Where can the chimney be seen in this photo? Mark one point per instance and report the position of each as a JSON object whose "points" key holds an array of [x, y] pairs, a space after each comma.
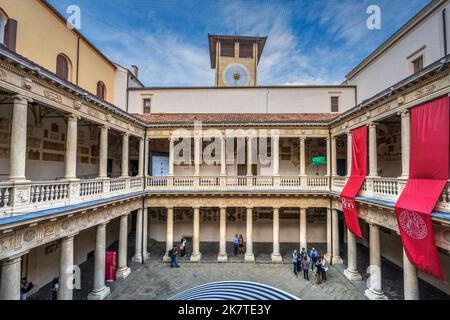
{"points": [[135, 71]]}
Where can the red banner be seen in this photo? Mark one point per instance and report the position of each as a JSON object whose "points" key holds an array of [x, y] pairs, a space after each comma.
{"points": [[357, 177], [428, 174]]}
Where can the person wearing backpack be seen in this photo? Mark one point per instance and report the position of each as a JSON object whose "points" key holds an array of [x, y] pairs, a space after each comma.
{"points": [[173, 257]]}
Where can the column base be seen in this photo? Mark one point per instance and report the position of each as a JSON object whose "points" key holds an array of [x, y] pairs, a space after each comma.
{"points": [[375, 295], [327, 257], [352, 275], [123, 273], [222, 258], [99, 295], [195, 257], [249, 257], [276, 258], [336, 260], [140, 258]]}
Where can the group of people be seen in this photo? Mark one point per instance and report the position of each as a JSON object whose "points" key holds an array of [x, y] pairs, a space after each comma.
{"points": [[302, 261]]}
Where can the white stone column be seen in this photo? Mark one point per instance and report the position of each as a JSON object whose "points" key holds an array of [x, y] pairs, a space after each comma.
{"points": [[410, 279], [373, 161], [141, 157], [125, 152], [71, 147], [333, 156], [66, 269], [349, 153], [303, 243], [336, 259], [100, 290], [249, 256], [328, 142], [223, 257], [276, 156], [10, 279], [249, 156], [302, 156], [328, 255], [223, 159], [169, 233], [171, 157], [18, 153], [197, 155], [138, 257], [406, 140], [375, 291], [351, 272], [103, 161], [196, 255], [145, 234], [146, 156], [123, 270], [276, 256]]}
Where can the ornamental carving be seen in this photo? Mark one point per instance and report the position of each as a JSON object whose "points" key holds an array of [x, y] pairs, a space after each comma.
{"points": [[52, 96], [29, 235], [2, 74], [77, 105], [26, 83], [425, 91], [49, 230], [6, 243]]}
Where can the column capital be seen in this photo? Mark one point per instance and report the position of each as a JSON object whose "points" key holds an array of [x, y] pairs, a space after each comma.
{"points": [[302, 138], [276, 208], [104, 128], [14, 259], [125, 134], [103, 224], [348, 132], [372, 125], [223, 207], [196, 207], [69, 237], [405, 113], [73, 117], [21, 99], [249, 208], [170, 207], [275, 138]]}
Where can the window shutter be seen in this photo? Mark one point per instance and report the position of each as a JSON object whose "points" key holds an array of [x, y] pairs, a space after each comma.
{"points": [[62, 67], [11, 34]]}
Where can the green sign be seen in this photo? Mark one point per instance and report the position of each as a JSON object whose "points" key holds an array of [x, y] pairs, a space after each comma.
{"points": [[319, 160]]}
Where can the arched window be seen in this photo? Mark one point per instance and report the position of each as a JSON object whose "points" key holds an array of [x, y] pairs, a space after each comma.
{"points": [[63, 67], [55, 128], [101, 90]]}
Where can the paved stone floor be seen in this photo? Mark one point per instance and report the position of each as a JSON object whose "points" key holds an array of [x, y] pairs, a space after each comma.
{"points": [[156, 280]]}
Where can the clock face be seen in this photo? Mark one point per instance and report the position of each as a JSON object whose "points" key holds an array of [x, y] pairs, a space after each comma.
{"points": [[236, 75]]}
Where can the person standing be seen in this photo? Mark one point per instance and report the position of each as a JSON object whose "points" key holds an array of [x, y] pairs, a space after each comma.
{"points": [[294, 261], [23, 288], [324, 268], [236, 244], [318, 270], [305, 266], [313, 255], [55, 288], [299, 261], [303, 253], [182, 247], [173, 257], [241, 244]]}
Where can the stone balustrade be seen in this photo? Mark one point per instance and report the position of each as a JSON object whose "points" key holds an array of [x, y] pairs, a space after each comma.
{"points": [[33, 196], [19, 198]]}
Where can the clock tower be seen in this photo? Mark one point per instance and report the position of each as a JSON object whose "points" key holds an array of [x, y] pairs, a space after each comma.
{"points": [[235, 59]]}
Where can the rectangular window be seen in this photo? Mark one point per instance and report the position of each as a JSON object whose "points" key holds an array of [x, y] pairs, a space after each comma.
{"points": [[147, 104], [245, 50], [227, 49], [334, 104], [417, 64]]}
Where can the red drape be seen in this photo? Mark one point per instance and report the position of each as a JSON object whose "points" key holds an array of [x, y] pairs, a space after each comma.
{"points": [[428, 174], [357, 177]]}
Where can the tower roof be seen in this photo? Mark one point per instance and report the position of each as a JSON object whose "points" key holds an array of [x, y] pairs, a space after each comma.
{"points": [[212, 39]]}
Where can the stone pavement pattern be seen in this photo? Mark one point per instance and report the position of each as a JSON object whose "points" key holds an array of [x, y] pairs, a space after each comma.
{"points": [[156, 280]]}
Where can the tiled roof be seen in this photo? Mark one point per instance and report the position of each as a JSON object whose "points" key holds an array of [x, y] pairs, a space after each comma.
{"points": [[238, 118]]}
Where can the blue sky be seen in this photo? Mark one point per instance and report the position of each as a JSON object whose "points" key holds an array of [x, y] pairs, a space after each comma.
{"points": [[310, 41]]}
